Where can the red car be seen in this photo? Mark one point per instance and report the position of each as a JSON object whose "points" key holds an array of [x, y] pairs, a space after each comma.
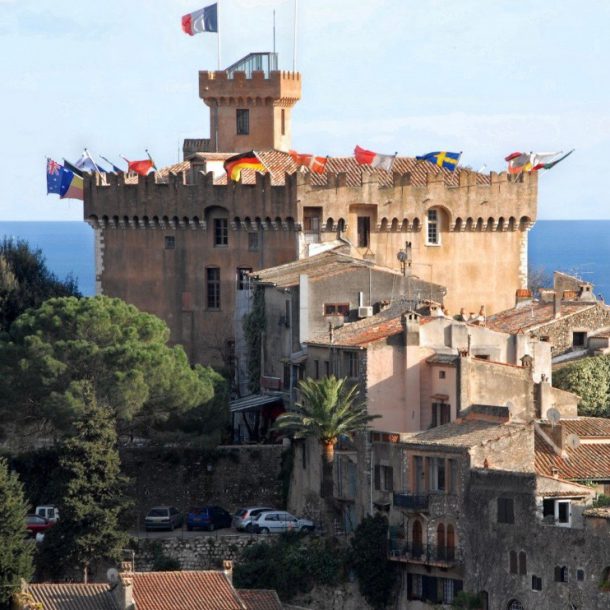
{"points": [[35, 524]]}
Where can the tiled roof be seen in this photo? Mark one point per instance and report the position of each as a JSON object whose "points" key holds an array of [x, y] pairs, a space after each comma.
{"points": [[260, 599], [530, 315], [603, 512], [348, 336], [280, 163], [462, 434], [73, 596], [203, 590], [587, 461], [315, 267], [587, 426]]}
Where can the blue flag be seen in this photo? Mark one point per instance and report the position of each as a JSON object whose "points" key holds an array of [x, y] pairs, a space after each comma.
{"points": [[447, 160], [54, 174]]}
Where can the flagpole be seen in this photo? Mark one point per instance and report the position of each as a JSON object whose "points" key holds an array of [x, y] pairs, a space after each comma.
{"points": [[274, 31], [294, 38], [218, 28]]}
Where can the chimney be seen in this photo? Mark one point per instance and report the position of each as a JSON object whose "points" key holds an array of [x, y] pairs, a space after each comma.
{"points": [[557, 305], [523, 295], [123, 592], [227, 566]]}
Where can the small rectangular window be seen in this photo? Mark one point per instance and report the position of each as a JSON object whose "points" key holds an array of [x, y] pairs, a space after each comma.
{"points": [[432, 230], [221, 232], [506, 512], [327, 368], [384, 478], [350, 364], [364, 231], [441, 414], [316, 368], [331, 309], [243, 279], [536, 583], [243, 121], [213, 287], [253, 241], [170, 242], [442, 374], [580, 574]]}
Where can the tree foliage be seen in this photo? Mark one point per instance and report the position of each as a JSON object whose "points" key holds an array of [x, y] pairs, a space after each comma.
{"points": [[52, 353], [92, 494], [291, 564], [328, 410], [590, 379], [377, 577], [15, 550], [26, 282]]}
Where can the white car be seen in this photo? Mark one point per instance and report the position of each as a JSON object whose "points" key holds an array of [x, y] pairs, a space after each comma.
{"points": [[277, 522]]}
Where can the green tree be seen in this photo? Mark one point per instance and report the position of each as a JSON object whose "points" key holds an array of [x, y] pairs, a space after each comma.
{"points": [[92, 494], [120, 352], [15, 550], [25, 281], [327, 411], [377, 576], [590, 379]]}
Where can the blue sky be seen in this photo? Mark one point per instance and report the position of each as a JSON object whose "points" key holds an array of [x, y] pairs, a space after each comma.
{"points": [[487, 78]]}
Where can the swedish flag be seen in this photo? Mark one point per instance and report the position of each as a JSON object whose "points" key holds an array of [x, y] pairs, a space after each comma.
{"points": [[447, 160]]}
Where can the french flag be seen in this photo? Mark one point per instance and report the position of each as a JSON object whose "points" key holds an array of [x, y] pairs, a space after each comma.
{"points": [[203, 20]]}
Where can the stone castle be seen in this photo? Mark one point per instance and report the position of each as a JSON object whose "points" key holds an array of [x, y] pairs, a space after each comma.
{"points": [[180, 243]]}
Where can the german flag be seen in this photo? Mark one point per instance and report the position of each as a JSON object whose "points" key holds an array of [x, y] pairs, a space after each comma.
{"points": [[248, 160]]}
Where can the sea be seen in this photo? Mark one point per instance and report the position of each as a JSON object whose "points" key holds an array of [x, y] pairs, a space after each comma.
{"points": [[577, 247]]}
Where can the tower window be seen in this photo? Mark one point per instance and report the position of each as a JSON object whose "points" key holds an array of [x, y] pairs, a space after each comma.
{"points": [[221, 232], [243, 122], [170, 242], [364, 231], [432, 236], [213, 287], [441, 414], [252, 241], [506, 511], [283, 118]]}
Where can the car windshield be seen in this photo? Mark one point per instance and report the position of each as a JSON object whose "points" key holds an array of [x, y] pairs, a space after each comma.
{"points": [[158, 512]]}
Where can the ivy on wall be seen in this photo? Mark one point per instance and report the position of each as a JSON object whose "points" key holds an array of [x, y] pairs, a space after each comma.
{"points": [[254, 327]]}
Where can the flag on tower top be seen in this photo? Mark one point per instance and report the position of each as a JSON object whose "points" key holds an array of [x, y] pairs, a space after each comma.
{"points": [[315, 164], [444, 159], [203, 20], [368, 157], [235, 164]]}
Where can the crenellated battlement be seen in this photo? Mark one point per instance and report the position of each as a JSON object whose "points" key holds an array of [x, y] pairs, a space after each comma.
{"points": [[221, 88], [499, 204]]}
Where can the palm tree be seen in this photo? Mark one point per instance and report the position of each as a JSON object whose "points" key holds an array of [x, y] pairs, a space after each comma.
{"points": [[328, 410]]}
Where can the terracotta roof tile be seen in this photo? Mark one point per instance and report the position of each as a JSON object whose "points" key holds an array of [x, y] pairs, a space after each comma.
{"points": [[73, 596], [279, 163], [260, 599], [467, 433], [587, 427], [203, 590], [531, 315], [587, 461]]}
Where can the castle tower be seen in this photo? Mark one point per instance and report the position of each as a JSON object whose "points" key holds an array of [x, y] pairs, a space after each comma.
{"points": [[250, 104]]}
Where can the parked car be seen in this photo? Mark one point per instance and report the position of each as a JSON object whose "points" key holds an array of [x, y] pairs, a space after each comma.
{"points": [[163, 518], [48, 511], [272, 522], [243, 517], [208, 517], [37, 525]]}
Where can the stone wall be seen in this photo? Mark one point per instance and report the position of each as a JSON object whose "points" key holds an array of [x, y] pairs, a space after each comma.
{"points": [[182, 477]]}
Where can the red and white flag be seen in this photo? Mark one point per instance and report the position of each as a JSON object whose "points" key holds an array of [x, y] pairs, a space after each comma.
{"points": [[314, 164], [368, 157]]}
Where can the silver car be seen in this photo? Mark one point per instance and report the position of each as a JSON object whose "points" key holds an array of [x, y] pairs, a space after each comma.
{"points": [[277, 522], [243, 518], [162, 518]]}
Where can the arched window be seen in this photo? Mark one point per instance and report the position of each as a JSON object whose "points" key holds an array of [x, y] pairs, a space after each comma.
{"points": [[513, 562], [417, 539], [514, 604], [450, 542], [440, 541], [522, 563]]}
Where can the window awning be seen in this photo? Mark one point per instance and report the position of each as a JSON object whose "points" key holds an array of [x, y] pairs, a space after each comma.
{"points": [[253, 402]]}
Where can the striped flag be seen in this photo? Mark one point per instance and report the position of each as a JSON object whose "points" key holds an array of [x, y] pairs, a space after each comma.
{"points": [[368, 157], [248, 160]]}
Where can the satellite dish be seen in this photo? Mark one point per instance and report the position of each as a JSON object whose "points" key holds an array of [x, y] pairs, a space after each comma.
{"points": [[401, 256], [572, 441], [112, 574], [553, 415]]}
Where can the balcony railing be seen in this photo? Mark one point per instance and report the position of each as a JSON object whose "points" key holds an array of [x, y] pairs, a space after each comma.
{"points": [[411, 501], [423, 553]]}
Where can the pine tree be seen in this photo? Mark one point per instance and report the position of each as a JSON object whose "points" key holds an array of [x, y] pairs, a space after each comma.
{"points": [[92, 495], [15, 550]]}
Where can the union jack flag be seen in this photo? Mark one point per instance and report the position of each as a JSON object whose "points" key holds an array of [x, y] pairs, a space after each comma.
{"points": [[53, 167]]}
